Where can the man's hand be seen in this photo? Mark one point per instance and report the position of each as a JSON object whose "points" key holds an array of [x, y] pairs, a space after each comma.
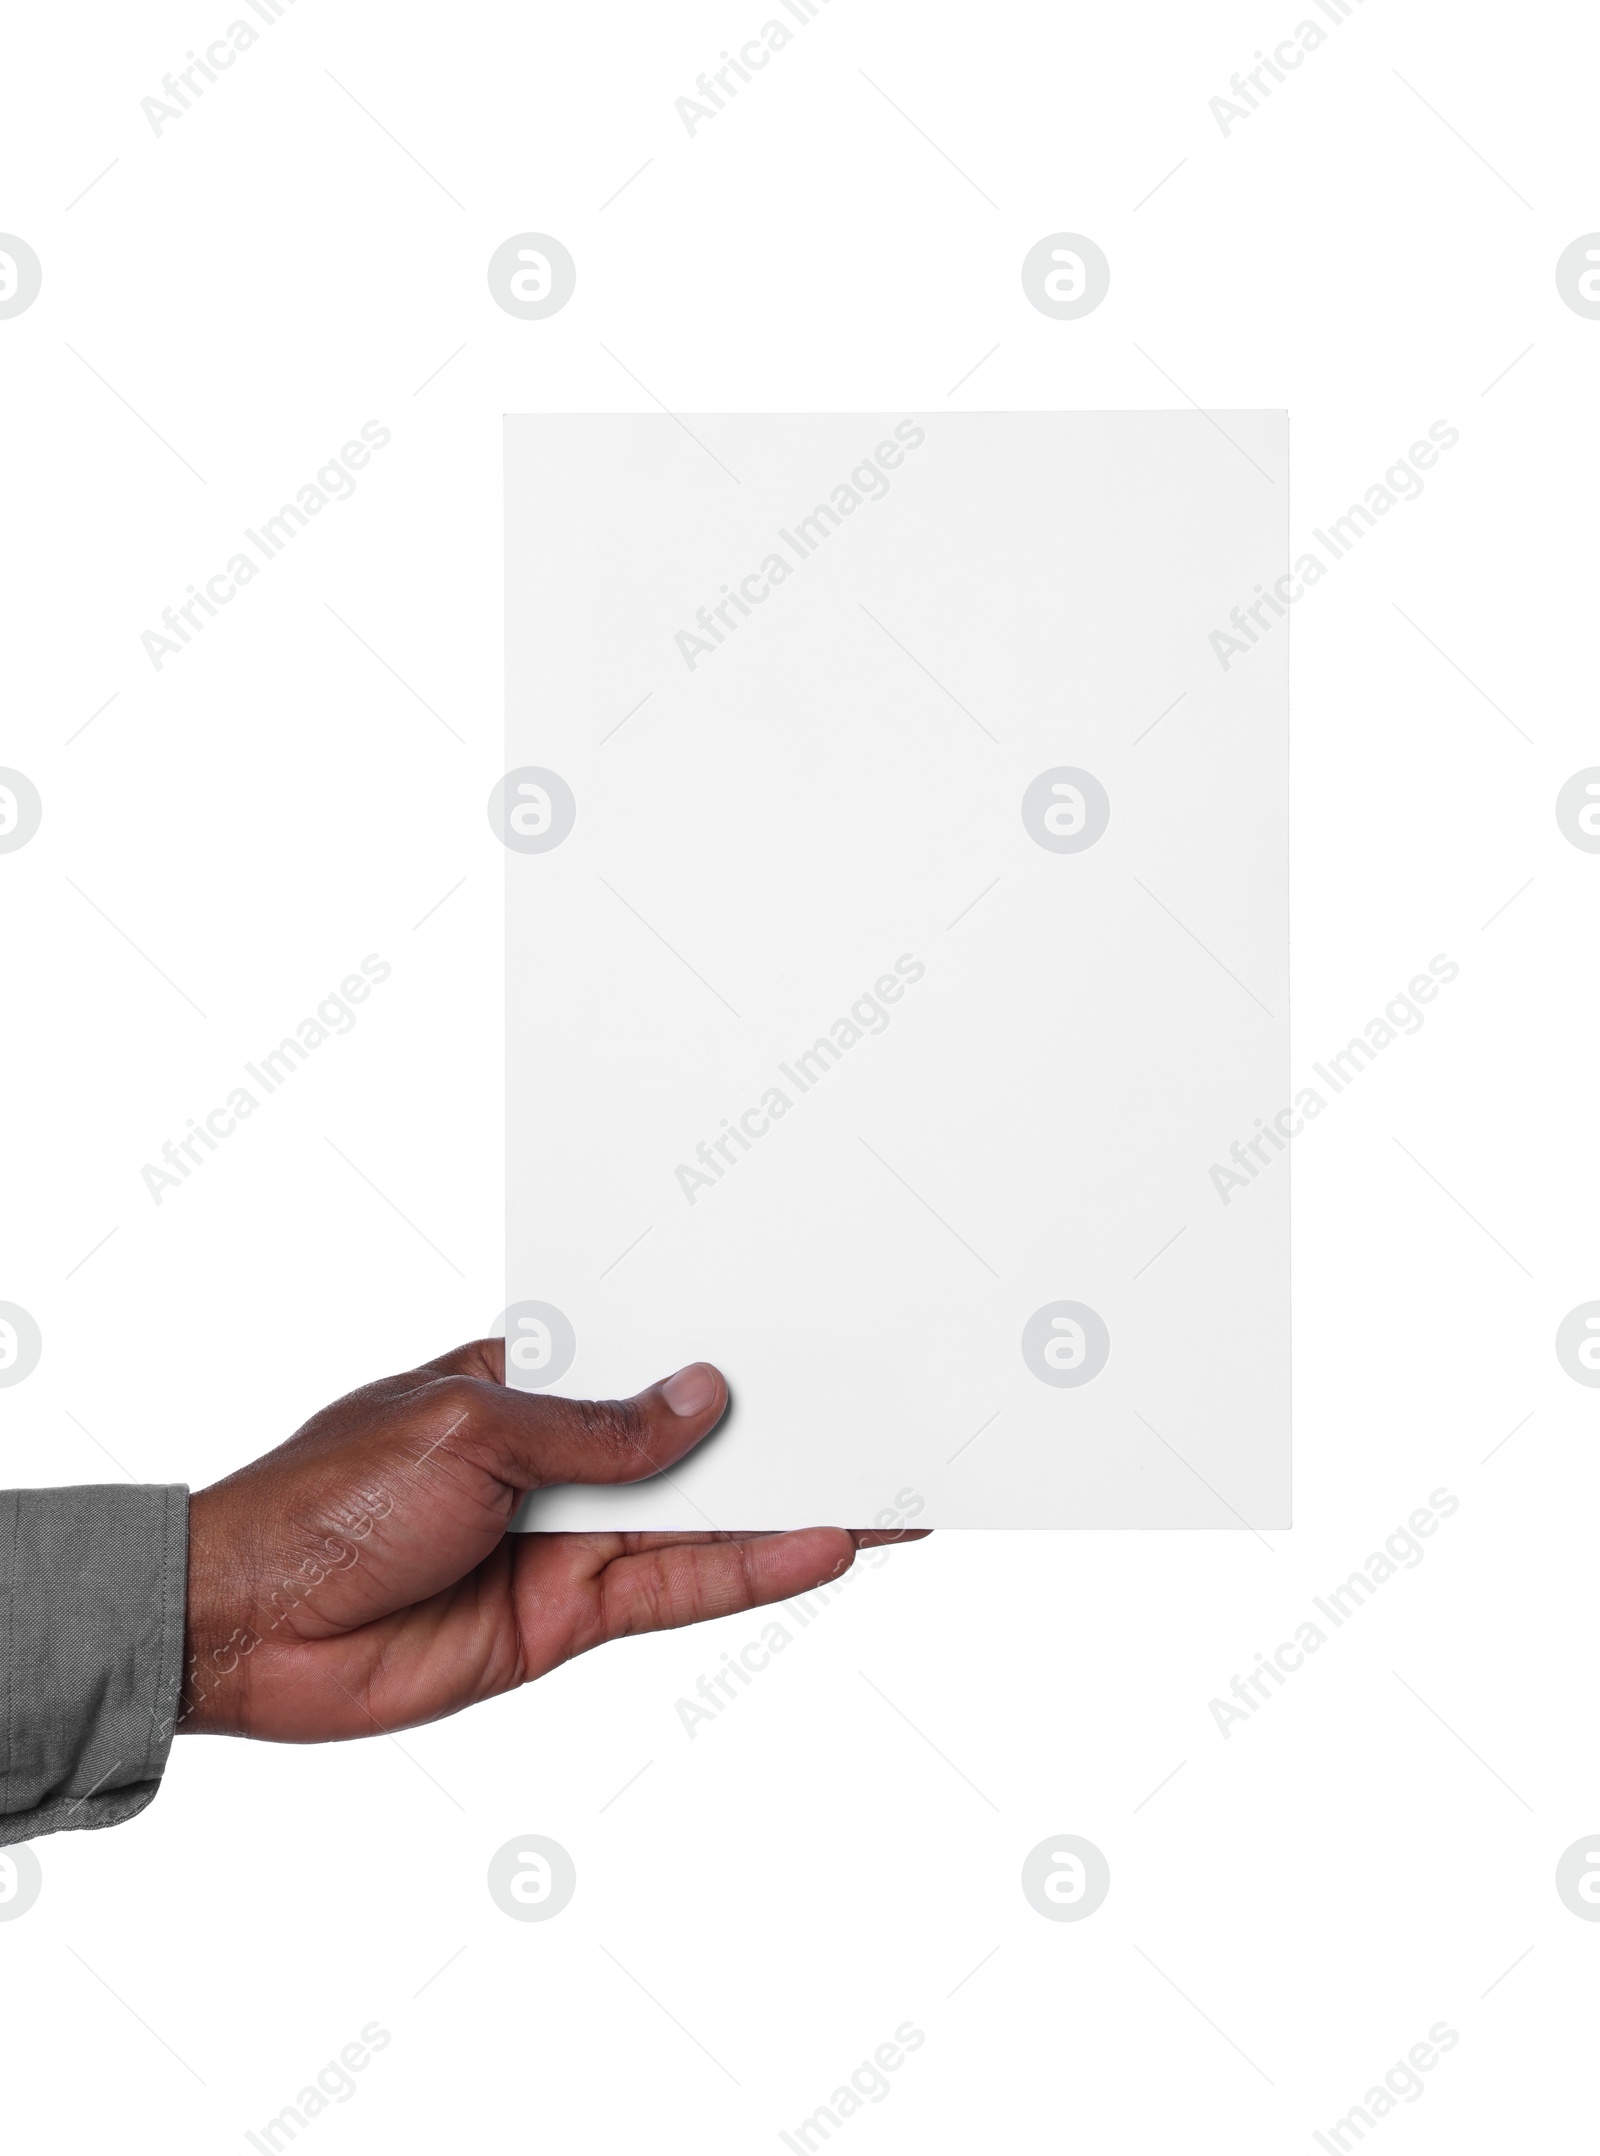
{"points": [[360, 1578]]}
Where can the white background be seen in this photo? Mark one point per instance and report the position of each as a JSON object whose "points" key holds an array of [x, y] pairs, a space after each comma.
{"points": [[1369, 1854]]}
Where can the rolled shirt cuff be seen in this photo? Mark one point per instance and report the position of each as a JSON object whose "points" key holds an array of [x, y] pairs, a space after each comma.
{"points": [[92, 1585]]}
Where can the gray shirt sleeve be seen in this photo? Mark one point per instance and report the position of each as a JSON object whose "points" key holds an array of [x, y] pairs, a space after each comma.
{"points": [[92, 1584]]}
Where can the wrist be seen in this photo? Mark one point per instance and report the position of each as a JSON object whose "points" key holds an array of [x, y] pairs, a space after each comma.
{"points": [[218, 1640]]}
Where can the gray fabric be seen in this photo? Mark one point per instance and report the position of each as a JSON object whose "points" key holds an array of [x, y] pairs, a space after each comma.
{"points": [[92, 1585]]}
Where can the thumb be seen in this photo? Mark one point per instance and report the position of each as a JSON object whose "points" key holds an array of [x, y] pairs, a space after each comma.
{"points": [[528, 1440]]}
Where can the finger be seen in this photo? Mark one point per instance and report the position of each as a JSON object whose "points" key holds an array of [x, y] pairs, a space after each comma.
{"points": [[532, 1439], [474, 1358], [605, 1545], [689, 1582]]}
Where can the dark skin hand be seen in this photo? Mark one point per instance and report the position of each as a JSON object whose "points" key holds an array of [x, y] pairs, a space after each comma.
{"points": [[360, 1578]]}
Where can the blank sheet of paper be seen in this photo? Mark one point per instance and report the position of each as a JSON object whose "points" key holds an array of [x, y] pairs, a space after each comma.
{"points": [[897, 958]]}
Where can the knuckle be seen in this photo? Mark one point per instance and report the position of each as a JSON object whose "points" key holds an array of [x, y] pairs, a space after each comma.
{"points": [[619, 1426], [472, 1359], [454, 1395], [747, 1592], [451, 1406]]}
